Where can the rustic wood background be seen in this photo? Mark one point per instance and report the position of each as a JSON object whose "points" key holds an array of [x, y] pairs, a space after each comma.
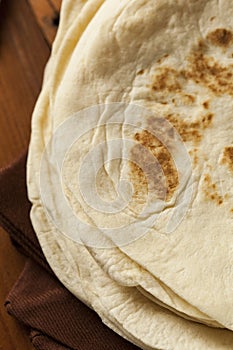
{"points": [[27, 28]]}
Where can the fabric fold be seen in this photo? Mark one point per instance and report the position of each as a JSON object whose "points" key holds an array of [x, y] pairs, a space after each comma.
{"points": [[56, 319]]}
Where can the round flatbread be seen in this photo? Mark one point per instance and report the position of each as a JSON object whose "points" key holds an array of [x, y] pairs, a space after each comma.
{"points": [[142, 54]]}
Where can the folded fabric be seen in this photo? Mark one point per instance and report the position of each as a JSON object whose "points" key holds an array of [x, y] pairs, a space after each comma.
{"points": [[56, 319], [15, 211]]}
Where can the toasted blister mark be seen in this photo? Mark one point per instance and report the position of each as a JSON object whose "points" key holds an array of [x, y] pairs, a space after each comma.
{"points": [[194, 156], [190, 130], [210, 190], [161, 59], [160, 127], [167, 79], [205, 104], [206, 120], [138, 179], [159, 175], [183, 99], [206, 71], [140, 72], [227, 158], [221, 37], [170, 85]]}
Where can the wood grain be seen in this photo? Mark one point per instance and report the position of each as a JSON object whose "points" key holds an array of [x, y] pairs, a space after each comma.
{"points": [[23, 54], [56, 4], [46, 13]]}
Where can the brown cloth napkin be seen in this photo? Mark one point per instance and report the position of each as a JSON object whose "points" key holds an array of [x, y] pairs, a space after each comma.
{"points": [[55, 318]]}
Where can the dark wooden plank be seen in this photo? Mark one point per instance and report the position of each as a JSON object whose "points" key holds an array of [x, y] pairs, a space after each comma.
{"points": [[56, 4], [46, 13], [23, 54]]}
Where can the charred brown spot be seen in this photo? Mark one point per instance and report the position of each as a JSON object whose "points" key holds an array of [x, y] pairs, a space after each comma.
{"points": [[207, 120], [190, 98], [190, 130], [201, 44], [206, 71], [140, 72], [206, 104], [220, 37], [162, 58], [138, 179], [212, 18], [166, 79], [228, 157], [210, 190], [194, 155], [161, 175], [183, 99], [168, 84]]}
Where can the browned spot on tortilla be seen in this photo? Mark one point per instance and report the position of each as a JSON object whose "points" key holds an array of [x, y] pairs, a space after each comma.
{"points": [[183, 99], [206, 71], [228, 157], [162, 127], [206, 104], [162, 58], [210, 190], [212, 18], [168, 84], [166, 79], [190, 98], [161, 175], [194, 155], [190, 130], [207, 120], [201, 44], [140, 72], [220, 37], [138, 177]]}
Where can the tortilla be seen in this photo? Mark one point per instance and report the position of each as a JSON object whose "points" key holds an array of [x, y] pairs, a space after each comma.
{"points": [[124, 309], [44, 111], [149, 60]]}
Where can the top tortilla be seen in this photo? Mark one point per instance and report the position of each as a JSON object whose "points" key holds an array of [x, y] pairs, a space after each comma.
{"points": [[175, 58]]}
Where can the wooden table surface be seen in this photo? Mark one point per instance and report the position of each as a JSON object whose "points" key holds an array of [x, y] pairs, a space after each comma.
{"points": [[24, 50]]}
